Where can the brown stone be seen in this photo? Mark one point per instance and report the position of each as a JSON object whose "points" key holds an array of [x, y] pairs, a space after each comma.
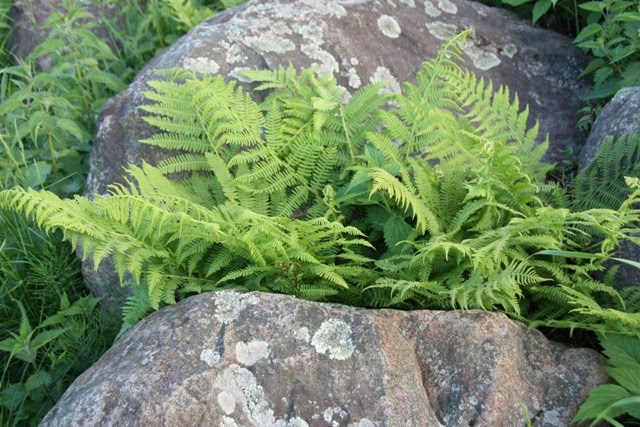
{"points": [[227, 359]]}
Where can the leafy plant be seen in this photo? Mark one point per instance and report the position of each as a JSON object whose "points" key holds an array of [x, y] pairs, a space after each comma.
{"points": [[435, 201], [610, 401], [602, 183], [51, 330], [612, 36]]}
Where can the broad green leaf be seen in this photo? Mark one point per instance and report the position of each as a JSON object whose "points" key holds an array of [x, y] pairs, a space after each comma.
{"points": [[516, 3], [37, 380], [593, 6], [539, 9], [588, 32]]}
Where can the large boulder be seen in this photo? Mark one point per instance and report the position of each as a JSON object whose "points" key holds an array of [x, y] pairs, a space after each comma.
{"points": [[621, 116], [228, 359], [358, 41]]}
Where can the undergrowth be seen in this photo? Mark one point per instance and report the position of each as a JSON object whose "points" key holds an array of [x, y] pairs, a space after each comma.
{"points": [[407, 206], [52, 329]]}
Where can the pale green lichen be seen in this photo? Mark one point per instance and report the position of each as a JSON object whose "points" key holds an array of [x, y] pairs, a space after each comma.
{"points": [[410, 3], [383, 75], [442, 30], [447, 6], [389, 26], [334, 338], [509, 50], [201, 65], [228, 422], [481, 58], [327, 63], [227, 402], [229, 305], [302, 334], [354, 79], [241, 384], [297, 422], [364, 422], [250, 353], [210, 357], [431, 10]]}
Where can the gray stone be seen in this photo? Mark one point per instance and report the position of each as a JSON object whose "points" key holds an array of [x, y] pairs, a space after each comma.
{"points": [[621, 116], [359, 41], [230, 359]]}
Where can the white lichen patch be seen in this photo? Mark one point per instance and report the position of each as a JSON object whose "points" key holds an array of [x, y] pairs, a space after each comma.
{"points": [[447, 6], [364, 422], [229, 305], [227, 402], [383, 75], [482, 59], [327, 63], [201, 65], [431, 10], [354, 79], [233, 52], [236, 73], [270, 42], [334, 337], [410, 3], [389, 26], [250, 353], [302, 334], [297, 422], [210, 357], [311, 33], [509, 50], [354, 61], [241, 384], [442, 30], [228, 422]]}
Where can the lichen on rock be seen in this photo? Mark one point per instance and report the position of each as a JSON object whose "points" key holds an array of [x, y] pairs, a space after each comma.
{"points": [[229, 305], [389, 26], [334, 337]]}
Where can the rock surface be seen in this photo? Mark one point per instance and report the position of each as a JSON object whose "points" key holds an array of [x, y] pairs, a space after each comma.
{"points": [[621, 116], [359, 41], [227, 359]]}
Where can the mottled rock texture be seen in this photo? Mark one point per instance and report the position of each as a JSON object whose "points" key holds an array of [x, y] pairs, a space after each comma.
{"points": [[621, 116], [227, 359], [359, 41]]}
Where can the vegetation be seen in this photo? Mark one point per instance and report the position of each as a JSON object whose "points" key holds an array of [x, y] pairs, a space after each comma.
{"points": [[410, 206], [52, 329], [429, 199], [608, 30]]}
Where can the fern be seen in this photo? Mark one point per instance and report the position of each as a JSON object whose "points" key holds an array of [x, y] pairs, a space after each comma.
{"points": [[434, 200], [602, 184]]}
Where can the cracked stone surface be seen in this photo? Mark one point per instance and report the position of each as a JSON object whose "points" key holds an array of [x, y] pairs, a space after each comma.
{"points": [[358, 41], [187, 366]]}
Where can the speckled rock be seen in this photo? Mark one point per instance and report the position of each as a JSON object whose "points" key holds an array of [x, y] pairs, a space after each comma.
{"points": [[621, 116], [227, 359], [28, 18], [358, 41]]}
